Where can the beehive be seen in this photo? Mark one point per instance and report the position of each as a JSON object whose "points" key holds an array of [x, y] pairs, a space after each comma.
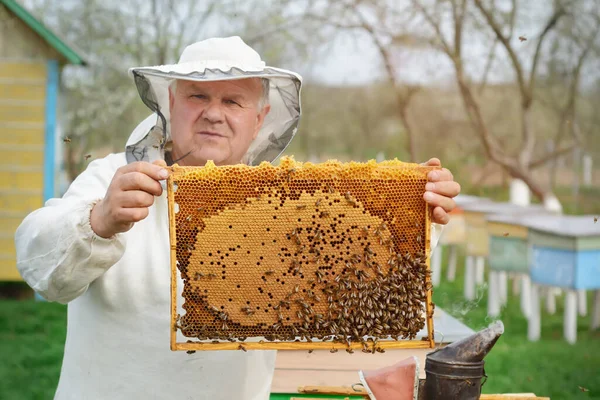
{"points": [[300, 255]]}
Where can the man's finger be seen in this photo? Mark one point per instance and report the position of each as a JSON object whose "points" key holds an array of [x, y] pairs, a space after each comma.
{"points": [[439, 216], [140, 181], [436, 200], [444, 188], [440, 175], [432, 162], [156, 172], [136, 199]]}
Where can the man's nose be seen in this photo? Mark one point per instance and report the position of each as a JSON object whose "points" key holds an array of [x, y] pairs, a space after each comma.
{"points": [[213, 112]]}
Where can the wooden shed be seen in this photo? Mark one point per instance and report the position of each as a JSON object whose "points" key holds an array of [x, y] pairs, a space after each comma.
{"points": [[31, 60]]}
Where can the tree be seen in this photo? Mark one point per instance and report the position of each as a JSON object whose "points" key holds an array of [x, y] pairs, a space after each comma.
{"points": [[469, 16]]}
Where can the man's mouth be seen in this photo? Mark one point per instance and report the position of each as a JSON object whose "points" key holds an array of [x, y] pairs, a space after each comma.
{"points": [[211, 133]]}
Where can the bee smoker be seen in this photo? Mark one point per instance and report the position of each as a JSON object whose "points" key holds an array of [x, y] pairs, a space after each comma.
{"points": [[456, 371]]}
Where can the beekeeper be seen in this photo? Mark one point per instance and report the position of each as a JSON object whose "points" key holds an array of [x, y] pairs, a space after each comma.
{"points": [[103, 247]]}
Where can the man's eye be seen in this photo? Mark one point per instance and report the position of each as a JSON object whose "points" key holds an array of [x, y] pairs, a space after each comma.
{"points": [[232, 102], [199, 96]]}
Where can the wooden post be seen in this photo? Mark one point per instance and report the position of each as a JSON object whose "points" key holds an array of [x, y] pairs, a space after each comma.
{"points": [[503, 287], [452, 263], [493, 298], [570, 322], [480, 270], [595, 323], [534, 324], [526, 295], [582, 302], [469, 278]]}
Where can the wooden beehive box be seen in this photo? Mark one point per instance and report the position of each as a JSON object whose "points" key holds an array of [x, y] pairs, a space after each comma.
{"points": [[454, 232], [565, 251], [477, 231], [300, 255], [509, 247]]}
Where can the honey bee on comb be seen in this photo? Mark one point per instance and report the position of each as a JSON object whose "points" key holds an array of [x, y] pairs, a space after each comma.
{"points": [[306, 260]]}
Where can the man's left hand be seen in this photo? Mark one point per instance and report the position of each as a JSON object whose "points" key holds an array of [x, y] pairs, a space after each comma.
{"points": [[440, 191]]}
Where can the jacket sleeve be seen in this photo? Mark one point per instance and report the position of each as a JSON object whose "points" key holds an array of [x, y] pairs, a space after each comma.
{"points": [[58, 253]]}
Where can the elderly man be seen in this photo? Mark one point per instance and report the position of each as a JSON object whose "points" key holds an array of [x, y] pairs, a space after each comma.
{"points": [[103, 247]]}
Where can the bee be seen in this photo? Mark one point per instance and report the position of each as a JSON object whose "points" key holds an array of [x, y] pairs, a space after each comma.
{"points": [[269, 272], [296, 288], [211, 276], [276, 326], [214, 309], [189, 218], [317, 256], [319, 275], [200, 209], [67, 139], [318, 202], [330, 188], [595, 219], [505, 234], [350, 350], [87, 157], [365, 231], [310, 351], [300, 206], [318, 236], [522, 38], [289, 173], [190, 351], [155, 146], [242, 347], [198, 275], [333, 350], [324, 214]]}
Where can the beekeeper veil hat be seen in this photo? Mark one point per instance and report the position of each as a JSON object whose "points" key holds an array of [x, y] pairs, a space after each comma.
{"points": [[216, 59]]}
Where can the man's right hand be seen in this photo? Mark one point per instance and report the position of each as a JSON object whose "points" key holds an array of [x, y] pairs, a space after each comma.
{"points": [[128, 197]]}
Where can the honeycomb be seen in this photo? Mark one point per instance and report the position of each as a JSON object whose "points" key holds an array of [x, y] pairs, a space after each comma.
{"points": [[300, 253]]}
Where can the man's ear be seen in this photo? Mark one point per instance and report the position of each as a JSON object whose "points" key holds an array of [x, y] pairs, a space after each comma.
{"points": [[171, 99], [260, 119]]}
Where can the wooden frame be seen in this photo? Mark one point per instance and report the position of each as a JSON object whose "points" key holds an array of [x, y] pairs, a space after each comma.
{"points": [[425, 342]]}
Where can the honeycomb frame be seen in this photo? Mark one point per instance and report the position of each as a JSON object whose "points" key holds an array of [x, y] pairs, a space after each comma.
{"points": [[316, 193]]}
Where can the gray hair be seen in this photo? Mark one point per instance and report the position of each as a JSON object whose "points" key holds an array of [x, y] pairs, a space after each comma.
{"points": [[262, 102]]}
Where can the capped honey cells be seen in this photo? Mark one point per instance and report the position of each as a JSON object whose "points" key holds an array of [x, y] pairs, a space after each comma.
{"points": [[300, 252]]}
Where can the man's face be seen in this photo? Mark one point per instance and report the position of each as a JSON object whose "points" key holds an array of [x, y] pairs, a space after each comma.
{"points": [[215, 120]]}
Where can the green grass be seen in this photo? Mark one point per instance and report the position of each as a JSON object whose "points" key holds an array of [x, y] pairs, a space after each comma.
{"points": [[32, 336]]}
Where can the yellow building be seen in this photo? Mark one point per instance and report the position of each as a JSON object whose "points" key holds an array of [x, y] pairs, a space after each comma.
{"points": [[31, 59]]}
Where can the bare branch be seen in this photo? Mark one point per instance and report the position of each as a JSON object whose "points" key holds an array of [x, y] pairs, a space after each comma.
{"points": [[505, 42], [549, 157], [436, 26]]}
